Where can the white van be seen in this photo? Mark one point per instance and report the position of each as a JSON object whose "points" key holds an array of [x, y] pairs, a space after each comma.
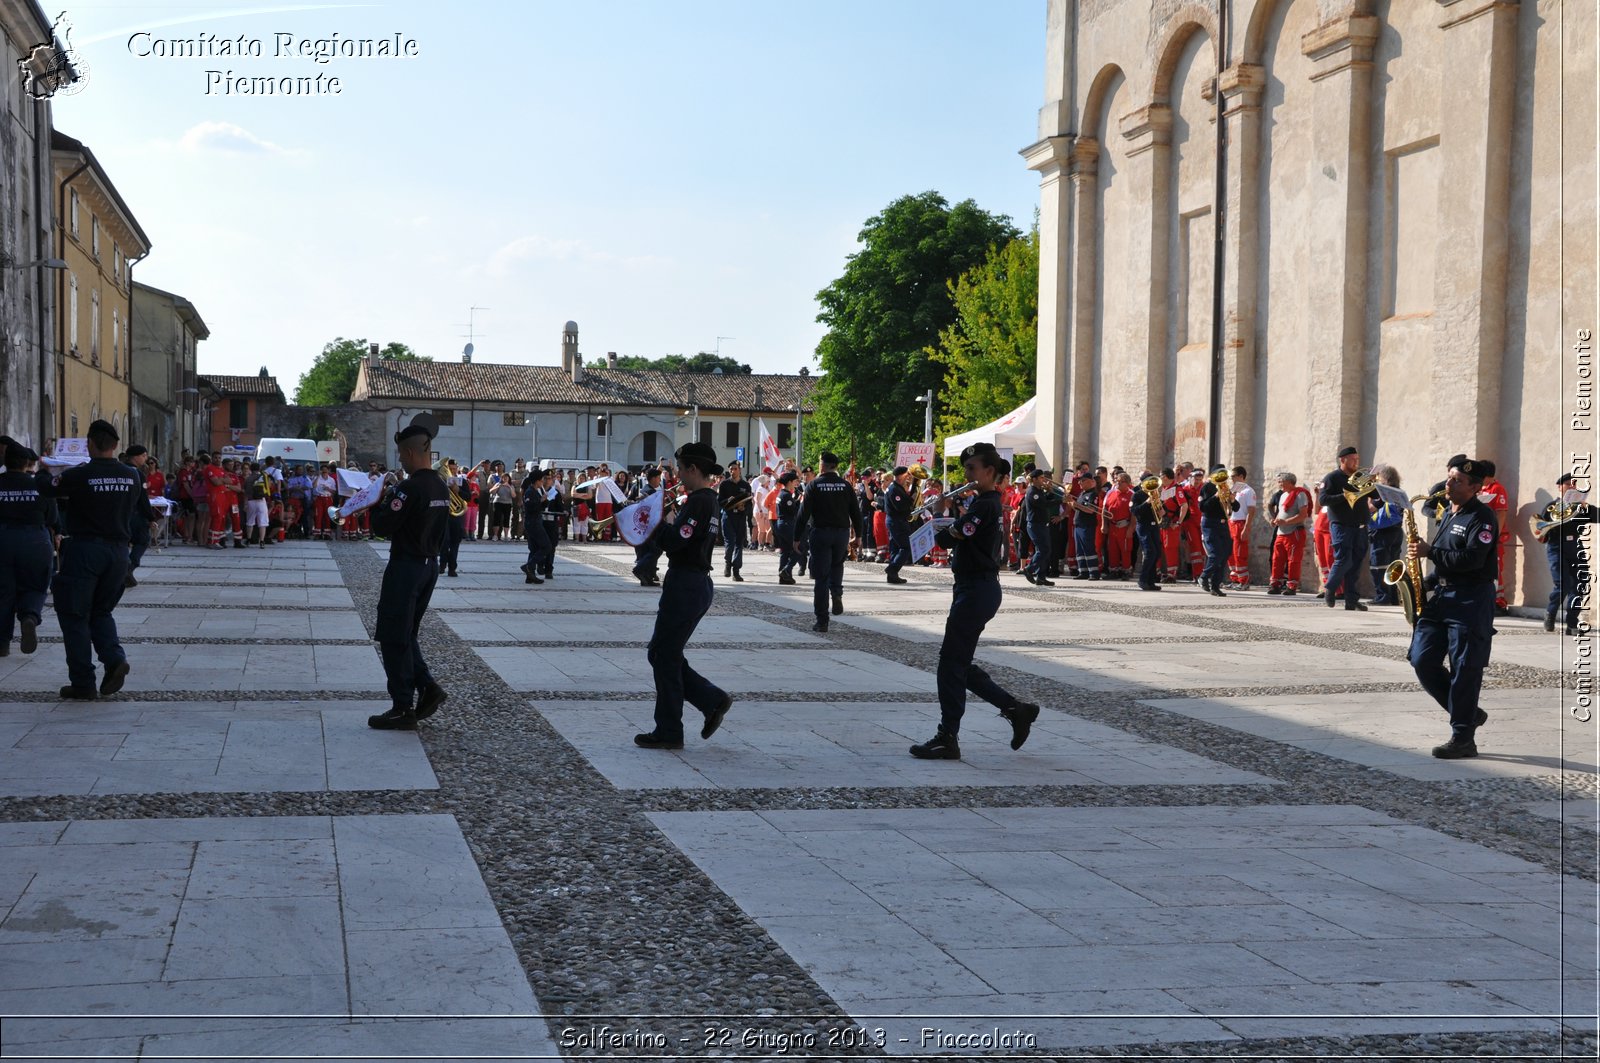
{"points": [[290, 451]]}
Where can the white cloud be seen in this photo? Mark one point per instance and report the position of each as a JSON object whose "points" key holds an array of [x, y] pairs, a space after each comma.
{"points": [[543, 249], [225, 136]]}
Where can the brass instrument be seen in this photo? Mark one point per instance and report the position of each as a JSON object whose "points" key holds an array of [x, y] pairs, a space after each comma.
{"points": [[1404, 573], [1225, 489], [1554, 516], [934, 503], [1151, 487], [918, 473], [1359, 486], [458, 505]]}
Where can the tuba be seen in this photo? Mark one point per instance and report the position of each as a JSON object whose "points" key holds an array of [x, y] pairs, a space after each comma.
{"points": [[1224, 490], [918, 473], [1404, 574], [1359, 486], [458, 506]]}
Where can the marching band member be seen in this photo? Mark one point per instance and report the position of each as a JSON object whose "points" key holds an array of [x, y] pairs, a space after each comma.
{"points": [[1085, 517], [788, 508], [1347, 525], [1458, 620], [733, 496], [539, 548], [412, 517], [1149, 514], [1563, 547], [831, 510], [1214, 532], [898, 503], [26, 555], [1042, 509], [686, 595], [976, 540]]}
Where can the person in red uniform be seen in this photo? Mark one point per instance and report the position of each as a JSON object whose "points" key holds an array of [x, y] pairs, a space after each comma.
{"points": [[1290, 512], [1494, 495], [1174, 503], [218, 500], [1192, 540], [1117, 517], [231, 476]]}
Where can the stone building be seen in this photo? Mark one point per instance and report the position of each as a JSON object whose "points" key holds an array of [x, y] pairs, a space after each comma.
{"points": [[27, 215], [100, 240], [629, 418], [1407, 237], [166, 333]]}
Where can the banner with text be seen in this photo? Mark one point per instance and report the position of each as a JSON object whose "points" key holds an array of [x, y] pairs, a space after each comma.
{"points": [[909, 454]]}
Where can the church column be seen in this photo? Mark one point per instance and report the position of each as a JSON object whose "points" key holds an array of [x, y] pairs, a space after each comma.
{"points": [[1084, 174], [1137, 396], [1241, 85], [1341, 105], [1054, 381], [1470, 279]]}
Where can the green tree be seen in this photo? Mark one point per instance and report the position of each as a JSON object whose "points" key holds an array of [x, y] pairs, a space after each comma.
{"points": [[988, 352], [332, 377], [703, 362], [886, 311]]}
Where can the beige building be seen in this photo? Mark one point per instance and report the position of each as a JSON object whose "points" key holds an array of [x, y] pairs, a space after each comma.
{"points": [[167, 330], [100, 240], [1407, 249]]}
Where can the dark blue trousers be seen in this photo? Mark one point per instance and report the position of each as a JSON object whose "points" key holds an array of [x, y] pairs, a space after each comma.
{"points": [[26, 559], [685, 598], [407, 588], [1566, 564], [1383, 546], [1456, 625], [899, 546], [646, 558], [734, 537], [138, 540], [1349, 550], [788, 556], [1219, 547], [1039, 535], [828, 549], [1149, 555], [87, 588], [539, 549], [455, 529], [972, 606]]}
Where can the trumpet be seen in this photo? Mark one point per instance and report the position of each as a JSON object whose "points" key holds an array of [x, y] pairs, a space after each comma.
{"points": [[934, 503]]}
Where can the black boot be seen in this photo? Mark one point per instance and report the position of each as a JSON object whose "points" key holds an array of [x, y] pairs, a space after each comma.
{"points": [[1459, 747], [786, 580], [838, 603], [821, 624], [399, 718], [942, 746], [736, 577], [428, 701], [1550, 621], [1021, 718]]}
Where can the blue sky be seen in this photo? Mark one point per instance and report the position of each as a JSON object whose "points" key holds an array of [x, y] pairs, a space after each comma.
{"points": [[663, 173]]}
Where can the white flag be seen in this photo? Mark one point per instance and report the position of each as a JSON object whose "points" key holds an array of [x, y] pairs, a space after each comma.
{"points": [[352, 481], [771, 456], [636, 522]]}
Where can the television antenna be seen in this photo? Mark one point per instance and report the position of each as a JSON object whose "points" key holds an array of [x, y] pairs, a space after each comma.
{"points": [[471, 325], [719, 343]]}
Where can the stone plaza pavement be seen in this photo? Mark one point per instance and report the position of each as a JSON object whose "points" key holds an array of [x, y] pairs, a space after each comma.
{"points": [[1225, 837]]}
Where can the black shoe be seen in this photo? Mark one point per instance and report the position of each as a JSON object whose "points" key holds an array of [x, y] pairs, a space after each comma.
{"points": [[1028, 576], [1501, 610], [787, 581], [644, 580], [1149, 586], [1021, 718], [727, 570], [1572, 630], [651, 740], [130, 581], [452, 571], [895, 577], [1205, 584], [941, 746], [1550, 622], [396, 719], [1274, 590], [78, 694], [1042, 582], [838, 605], [821, 625], [428, 701], [1328, 596], [113, 678], [736, 577], [1168, 579], [1456, 749], [1354, 607], [714, 717], [30, 634], [1290, 592], [523, 567], [1479, 718], [1217, 594], [531, 578]]}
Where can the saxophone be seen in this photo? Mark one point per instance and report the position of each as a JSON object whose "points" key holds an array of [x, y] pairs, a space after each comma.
{"points": [[1405, 573]]}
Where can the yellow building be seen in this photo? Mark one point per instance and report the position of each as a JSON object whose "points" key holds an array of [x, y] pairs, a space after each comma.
{"points": [[99, 239]]}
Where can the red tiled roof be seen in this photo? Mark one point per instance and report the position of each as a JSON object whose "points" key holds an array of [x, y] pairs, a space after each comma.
{"points": [[389, 379], [262, 387]]}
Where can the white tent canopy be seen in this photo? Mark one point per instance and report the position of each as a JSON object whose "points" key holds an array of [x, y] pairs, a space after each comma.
{"points": [[1014, 430]]}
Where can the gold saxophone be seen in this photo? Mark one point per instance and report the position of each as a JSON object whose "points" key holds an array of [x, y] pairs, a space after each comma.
{"points": [[1404, 574]]}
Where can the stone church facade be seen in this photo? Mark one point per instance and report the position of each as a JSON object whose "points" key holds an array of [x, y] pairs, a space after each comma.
{"points": [[1408, 237]]}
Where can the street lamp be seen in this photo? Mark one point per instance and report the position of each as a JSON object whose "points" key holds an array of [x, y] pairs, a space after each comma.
{"points": [[799, 434], [47, 263], [927, 415]]}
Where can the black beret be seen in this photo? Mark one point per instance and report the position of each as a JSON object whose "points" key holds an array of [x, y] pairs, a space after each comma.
{"points": [[103, 428], [828, 457], [1347, 451], [137, 449], [411, 431]]}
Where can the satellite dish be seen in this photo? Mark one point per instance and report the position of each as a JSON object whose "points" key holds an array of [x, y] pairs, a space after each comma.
{"points": [[467, 351]]}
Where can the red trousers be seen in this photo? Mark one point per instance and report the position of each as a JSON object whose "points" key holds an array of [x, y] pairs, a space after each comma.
{"points": [[319, 516], [1196, 545], [1324, 545], [1239, 560], [1287, 553], [222, 510], [1119, 548]]}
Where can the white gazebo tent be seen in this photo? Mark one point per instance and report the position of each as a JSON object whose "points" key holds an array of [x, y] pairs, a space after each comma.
{"points": [[1014, 431]]}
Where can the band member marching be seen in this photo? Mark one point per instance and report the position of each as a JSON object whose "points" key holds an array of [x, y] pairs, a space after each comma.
{"points": [[686, 595], [1148, 515], [976, 540], [412, 517]]}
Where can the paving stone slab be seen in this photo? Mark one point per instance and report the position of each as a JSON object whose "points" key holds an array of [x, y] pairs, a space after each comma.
{"points": [[239, 597], [872, 602], [195, 667], [766, 745], [205, 747], [529, 600], [630, 629], [1031, 626], [1255, 961], [1196, 664], [242, 624], [1553, 653], [1528, 734], [243, 575], [627, 670]]}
